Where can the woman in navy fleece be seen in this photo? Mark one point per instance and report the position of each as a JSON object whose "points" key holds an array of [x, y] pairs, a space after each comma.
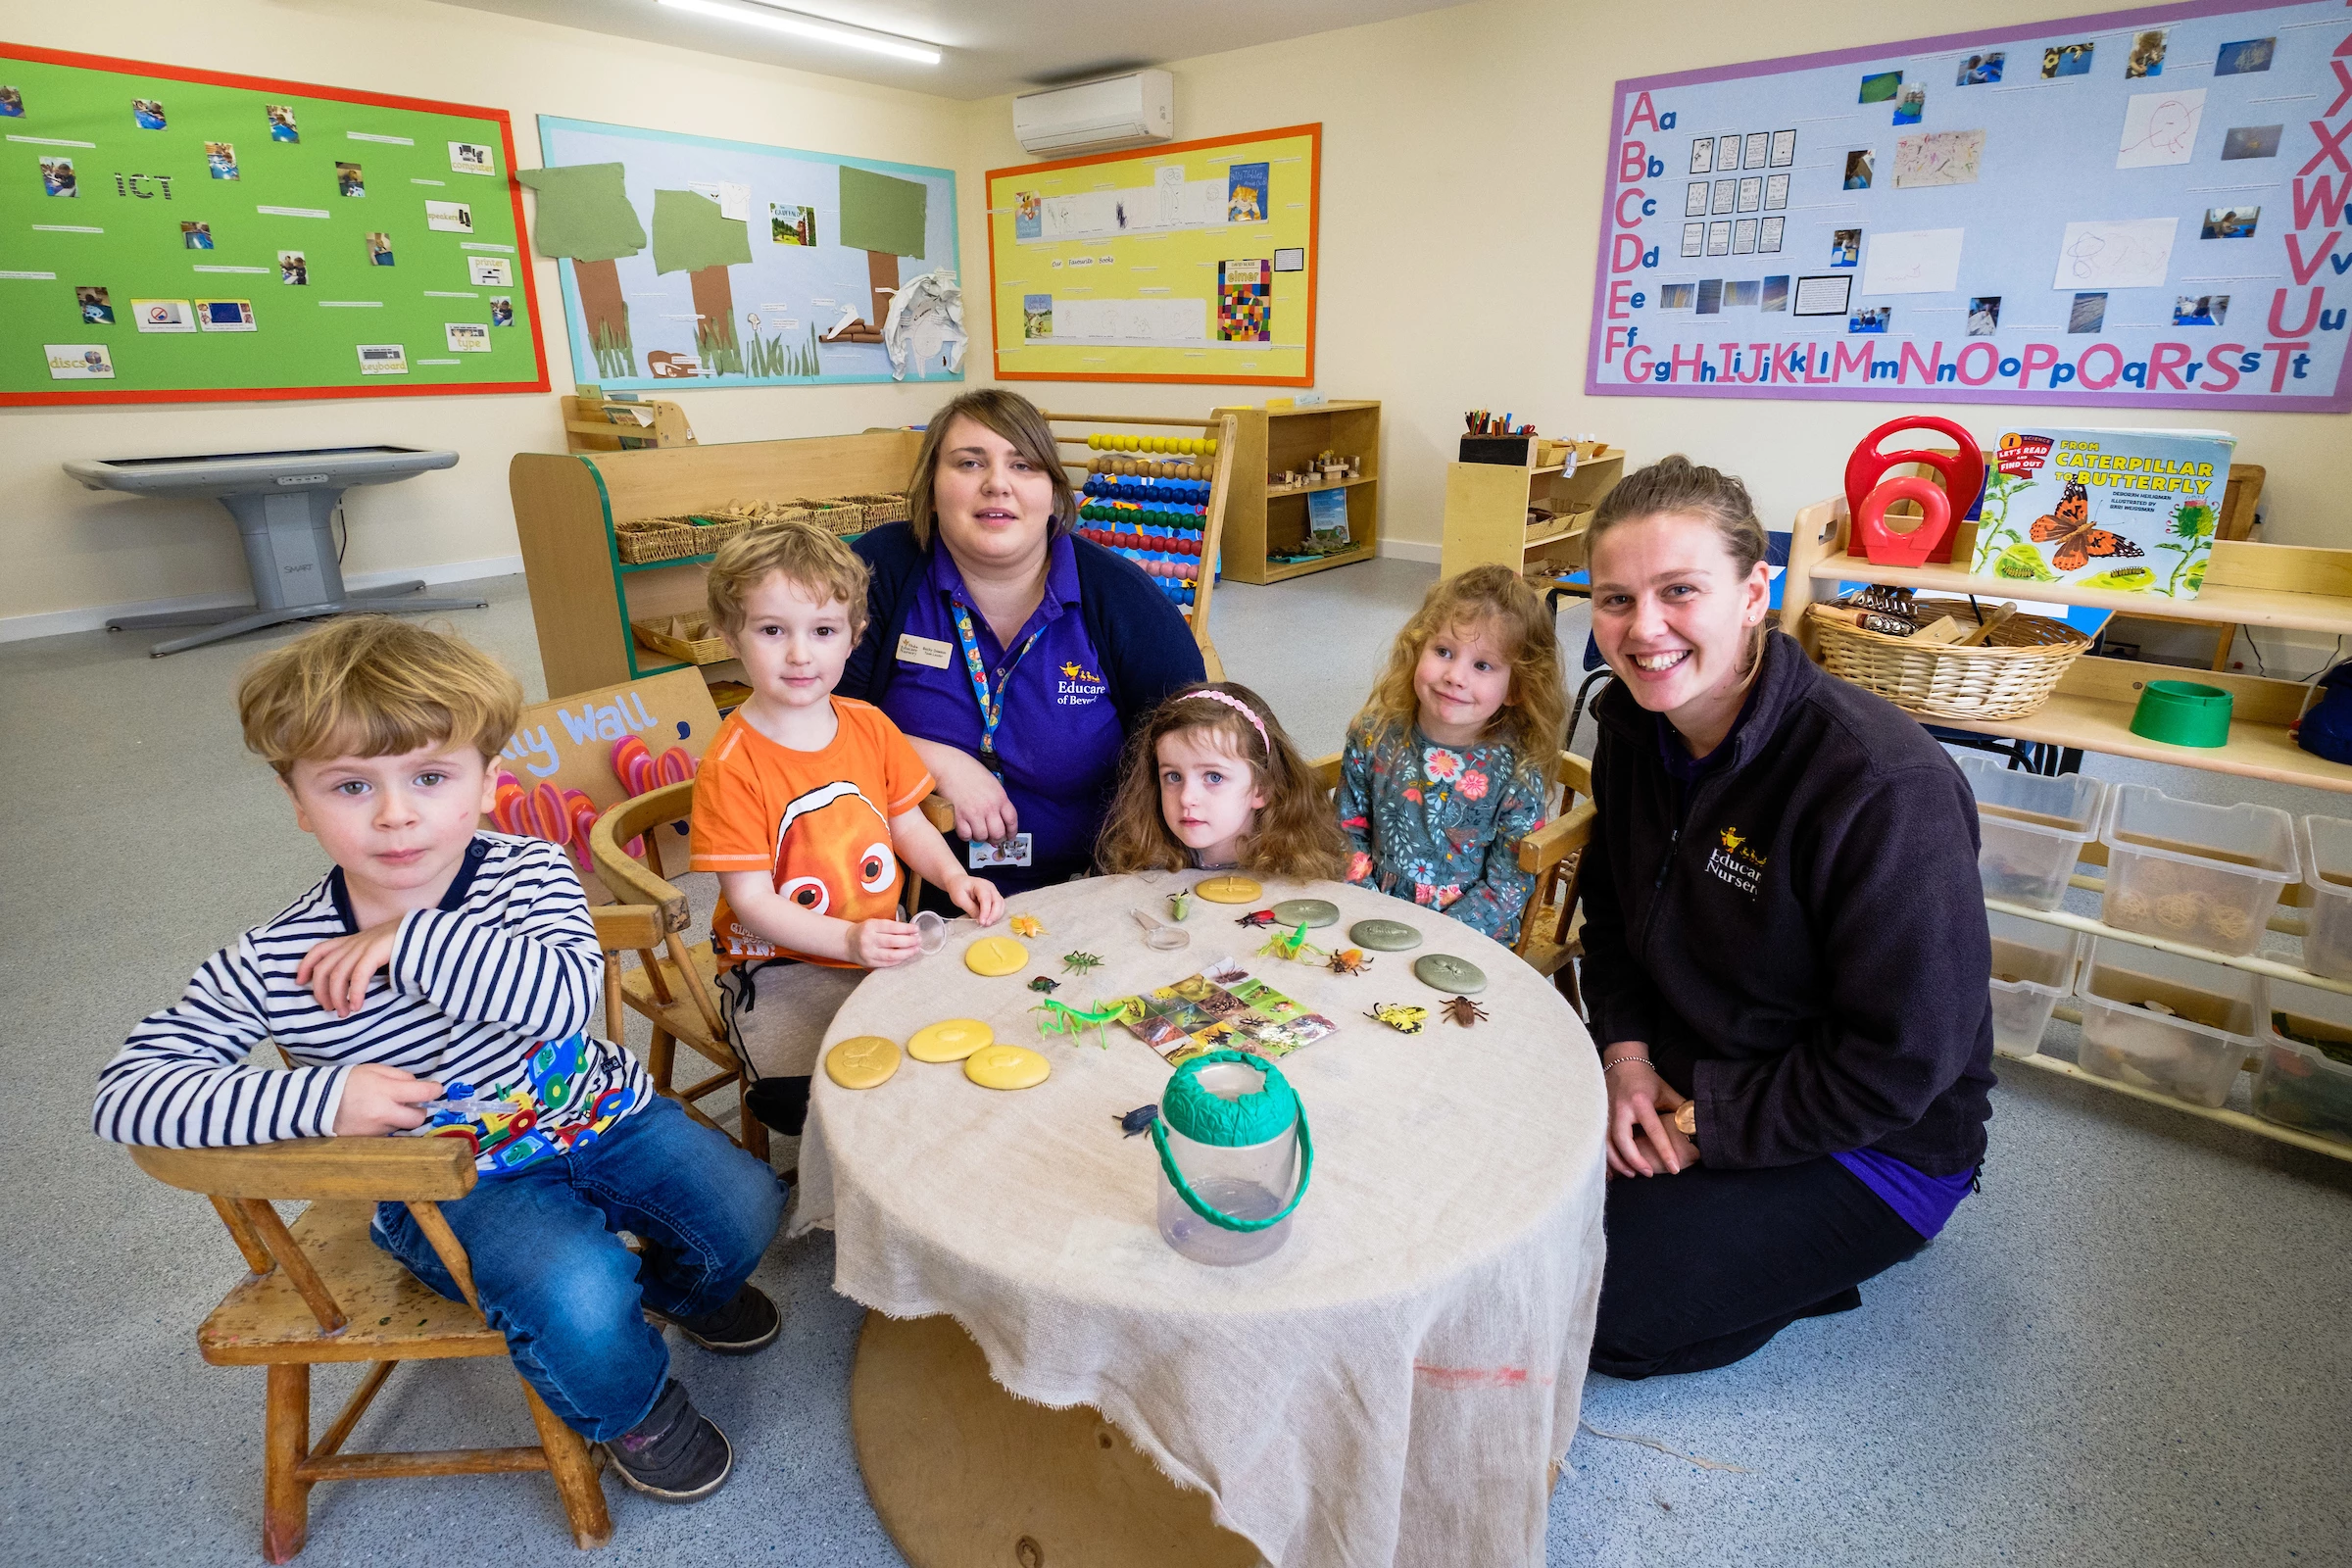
{"points": [[1786, 950]]}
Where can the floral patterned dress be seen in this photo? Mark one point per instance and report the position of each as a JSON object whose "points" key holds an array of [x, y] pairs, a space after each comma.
{"points": [[1441, 824]]}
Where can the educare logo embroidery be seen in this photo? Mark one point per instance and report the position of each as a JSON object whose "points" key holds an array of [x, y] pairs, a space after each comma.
{"points": [[1735, 862], [1078, 686]]}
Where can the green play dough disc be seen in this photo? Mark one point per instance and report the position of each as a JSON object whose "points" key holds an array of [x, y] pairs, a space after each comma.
{"points": [[1384, 936], [1442, 971], [1295, 912]]}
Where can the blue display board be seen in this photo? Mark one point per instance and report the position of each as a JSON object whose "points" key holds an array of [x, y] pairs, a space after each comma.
{"points": [[784, 284], [2145, 208]]}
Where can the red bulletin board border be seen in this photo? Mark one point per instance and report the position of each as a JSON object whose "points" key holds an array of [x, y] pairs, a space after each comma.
{"points": [[1314, 255], [349, 95]]}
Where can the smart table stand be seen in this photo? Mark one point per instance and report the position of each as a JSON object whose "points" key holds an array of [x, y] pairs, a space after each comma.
{"points": [[284, 503]]}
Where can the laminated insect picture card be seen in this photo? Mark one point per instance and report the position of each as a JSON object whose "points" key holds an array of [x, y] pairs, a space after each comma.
{"points": [[1222, 1008], [2124, 510]]}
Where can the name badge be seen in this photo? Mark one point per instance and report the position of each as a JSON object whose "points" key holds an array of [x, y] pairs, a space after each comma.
{"points": [[1013, 851], [913, 649]]}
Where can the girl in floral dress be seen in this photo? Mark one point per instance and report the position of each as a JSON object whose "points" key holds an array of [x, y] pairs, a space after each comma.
{"points": [[1452, 761]]}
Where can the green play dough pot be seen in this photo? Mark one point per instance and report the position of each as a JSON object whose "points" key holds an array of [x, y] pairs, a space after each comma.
{"points": [[1292, 913], [1384, 936], [2180, 713], [1442, 971]]}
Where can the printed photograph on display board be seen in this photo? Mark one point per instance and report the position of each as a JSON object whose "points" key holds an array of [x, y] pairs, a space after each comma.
{"points": [[2148, 208], [1194, 262], [180, 235], [734, 263]]}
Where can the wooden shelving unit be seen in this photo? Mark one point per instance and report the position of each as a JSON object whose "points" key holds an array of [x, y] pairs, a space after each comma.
{"points": [[2245, 584], [1486, 506], [583, 595], [1263, 520]]}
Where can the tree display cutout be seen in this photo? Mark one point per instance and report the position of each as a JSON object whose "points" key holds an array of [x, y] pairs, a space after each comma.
{"points": [[584, 217]]}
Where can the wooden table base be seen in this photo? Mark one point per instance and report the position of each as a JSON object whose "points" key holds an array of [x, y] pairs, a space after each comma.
{"points": [[966, 1475]]}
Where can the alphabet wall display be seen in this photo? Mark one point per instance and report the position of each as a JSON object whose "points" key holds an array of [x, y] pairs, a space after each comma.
{"points": [[2146, 209]]}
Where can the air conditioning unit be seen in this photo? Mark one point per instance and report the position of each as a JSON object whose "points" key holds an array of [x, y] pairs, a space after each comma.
{"points": [[1129, 111]]}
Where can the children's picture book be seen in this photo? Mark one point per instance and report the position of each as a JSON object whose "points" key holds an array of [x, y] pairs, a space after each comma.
{"points": [[2124, 511], [1221, 1009]]}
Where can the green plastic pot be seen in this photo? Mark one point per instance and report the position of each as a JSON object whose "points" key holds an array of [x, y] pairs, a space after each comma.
{"points": [[2181, 713]]}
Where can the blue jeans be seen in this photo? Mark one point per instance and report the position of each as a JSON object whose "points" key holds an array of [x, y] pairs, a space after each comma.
{"points": [[559, 1283]]}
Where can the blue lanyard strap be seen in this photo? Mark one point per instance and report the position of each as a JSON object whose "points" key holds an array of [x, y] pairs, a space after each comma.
{"points": [[992, 704]]}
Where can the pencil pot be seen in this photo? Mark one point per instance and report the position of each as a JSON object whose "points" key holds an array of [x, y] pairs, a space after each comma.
{"points": [[1234, 1156]]}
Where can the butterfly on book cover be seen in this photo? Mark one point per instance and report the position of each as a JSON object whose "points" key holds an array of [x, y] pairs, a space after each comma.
{"points": [[2077, 540]]}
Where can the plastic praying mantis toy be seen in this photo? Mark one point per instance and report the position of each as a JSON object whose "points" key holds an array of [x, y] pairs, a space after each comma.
{"points": [[1060, 1018], [1294, 947]]}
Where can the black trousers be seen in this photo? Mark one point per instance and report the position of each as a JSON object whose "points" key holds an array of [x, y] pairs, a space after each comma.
{"points": [[1706, 1266]]}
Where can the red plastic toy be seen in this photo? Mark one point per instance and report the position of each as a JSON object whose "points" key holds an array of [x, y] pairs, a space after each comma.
{"points": [[1867, 498]]}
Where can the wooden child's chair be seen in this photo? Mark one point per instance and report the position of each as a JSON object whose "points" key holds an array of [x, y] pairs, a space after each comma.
{"points": [[320, 1290], [1550, 925], [674, 989]]}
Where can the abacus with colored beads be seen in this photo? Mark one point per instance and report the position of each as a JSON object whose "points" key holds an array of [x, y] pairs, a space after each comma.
{"points": [[1151, 505]]}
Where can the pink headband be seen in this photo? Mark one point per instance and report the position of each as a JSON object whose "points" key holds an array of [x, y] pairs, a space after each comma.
{"points": [[1238, 707]]}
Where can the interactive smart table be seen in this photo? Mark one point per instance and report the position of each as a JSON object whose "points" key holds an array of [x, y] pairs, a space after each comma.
{"points": [[284, 504]]}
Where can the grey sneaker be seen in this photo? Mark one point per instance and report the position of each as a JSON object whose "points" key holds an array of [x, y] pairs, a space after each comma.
{"points": [[674, 1453], [747, 1323]]}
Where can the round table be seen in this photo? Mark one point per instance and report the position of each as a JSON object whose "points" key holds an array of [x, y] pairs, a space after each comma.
{"points": [[1390, 1386]]}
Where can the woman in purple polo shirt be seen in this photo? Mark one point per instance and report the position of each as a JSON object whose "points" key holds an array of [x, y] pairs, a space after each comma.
{"points": [[1016, 658], [1784, 951]]}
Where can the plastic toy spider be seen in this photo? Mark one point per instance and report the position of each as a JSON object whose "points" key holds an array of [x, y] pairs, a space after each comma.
{"points": [[1081, 962]]}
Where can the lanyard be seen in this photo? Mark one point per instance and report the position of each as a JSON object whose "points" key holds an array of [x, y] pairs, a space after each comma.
{"points": [[991, 708]]}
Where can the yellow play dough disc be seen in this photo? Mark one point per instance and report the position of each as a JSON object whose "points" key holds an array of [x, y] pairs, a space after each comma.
{"points": [[995, 956], [862, 1062], [1006, 1067], [951, 1041], [1228, 890]]}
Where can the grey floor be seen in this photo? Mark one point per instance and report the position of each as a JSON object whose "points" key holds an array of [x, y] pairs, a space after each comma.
{"points": [[2132, 1348]]}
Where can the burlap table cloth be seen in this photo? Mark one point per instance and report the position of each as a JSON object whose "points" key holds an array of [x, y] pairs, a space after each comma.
{"points": [[1387, 1389]]}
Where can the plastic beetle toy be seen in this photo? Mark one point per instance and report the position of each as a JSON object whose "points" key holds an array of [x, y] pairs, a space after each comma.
{"points": [[1136, 1120], [1256, 918], [1464, 1011], [1350, 961], [1044, 985]]}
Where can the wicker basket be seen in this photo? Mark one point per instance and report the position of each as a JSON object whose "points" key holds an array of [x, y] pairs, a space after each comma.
{"points": [[2011, 676], [652, 539], [882, 508], [690, 638]]}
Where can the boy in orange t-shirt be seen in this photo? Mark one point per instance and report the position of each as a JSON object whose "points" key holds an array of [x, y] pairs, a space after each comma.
{"points": [[805, 805]]}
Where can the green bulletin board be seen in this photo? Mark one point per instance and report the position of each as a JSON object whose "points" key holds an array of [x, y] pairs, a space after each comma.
{"points": [[172, 235]]}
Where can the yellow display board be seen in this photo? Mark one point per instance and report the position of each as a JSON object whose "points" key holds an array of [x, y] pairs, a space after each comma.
{"points": [[1193, 262]]}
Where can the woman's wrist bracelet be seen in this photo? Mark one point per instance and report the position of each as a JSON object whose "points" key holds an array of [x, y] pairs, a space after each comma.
{"points": [[1610, 1063]]}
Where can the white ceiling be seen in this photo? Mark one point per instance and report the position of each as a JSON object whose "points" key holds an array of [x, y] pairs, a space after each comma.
{"points": [[991, 46]]}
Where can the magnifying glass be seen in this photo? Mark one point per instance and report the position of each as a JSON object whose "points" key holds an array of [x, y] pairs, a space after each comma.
{"points": [[1166, 937], [930, 930]]}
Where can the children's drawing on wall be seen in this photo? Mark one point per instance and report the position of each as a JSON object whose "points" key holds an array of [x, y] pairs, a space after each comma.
{"points": [[1845, 247], [221, 159], [2200, 310], [2067, 60], [2148, 56], [2160, 129], [1882, 88], [1246, 193], [1979, 70], [282, 126], [1911, 106], [2230, 222], [1857, 168], [147, 114], [96, 309], [1984, 315], [2245, 56]]}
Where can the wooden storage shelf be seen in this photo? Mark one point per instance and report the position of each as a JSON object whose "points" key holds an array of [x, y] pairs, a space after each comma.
{"points": [[583, 595], [1486, 506], [2246, 584], [1263, 521]]}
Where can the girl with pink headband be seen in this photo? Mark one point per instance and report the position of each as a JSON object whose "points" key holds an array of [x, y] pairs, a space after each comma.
{"points": [[1210, 782]]}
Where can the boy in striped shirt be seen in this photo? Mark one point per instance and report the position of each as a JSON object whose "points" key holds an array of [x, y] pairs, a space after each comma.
{"points": [[439, 981]]}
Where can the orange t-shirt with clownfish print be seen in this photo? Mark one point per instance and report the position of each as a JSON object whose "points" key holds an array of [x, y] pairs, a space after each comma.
{"points": [[818, 822]]}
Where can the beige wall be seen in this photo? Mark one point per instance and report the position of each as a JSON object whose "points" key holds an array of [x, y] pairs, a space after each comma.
{"points": [[1464, 157], [70, 548], [1463, 163]]}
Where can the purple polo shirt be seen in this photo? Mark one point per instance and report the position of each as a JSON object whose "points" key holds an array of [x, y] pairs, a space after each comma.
{"points": [[1058, 741]]}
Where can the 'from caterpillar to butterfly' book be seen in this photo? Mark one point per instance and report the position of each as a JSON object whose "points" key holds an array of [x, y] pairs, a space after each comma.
{"points": [[2127, 510]]}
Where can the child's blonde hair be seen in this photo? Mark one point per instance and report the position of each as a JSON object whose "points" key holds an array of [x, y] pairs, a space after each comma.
{"points": [[810, 557], [1492, 598], [371, 686], [1294, 835]]}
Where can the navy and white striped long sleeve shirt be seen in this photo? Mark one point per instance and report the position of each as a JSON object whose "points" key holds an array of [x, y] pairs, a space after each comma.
{"points": [[489, 995]]}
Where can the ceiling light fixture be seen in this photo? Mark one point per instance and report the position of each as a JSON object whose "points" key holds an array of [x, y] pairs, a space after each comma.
{"points": [[814, 27]]}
